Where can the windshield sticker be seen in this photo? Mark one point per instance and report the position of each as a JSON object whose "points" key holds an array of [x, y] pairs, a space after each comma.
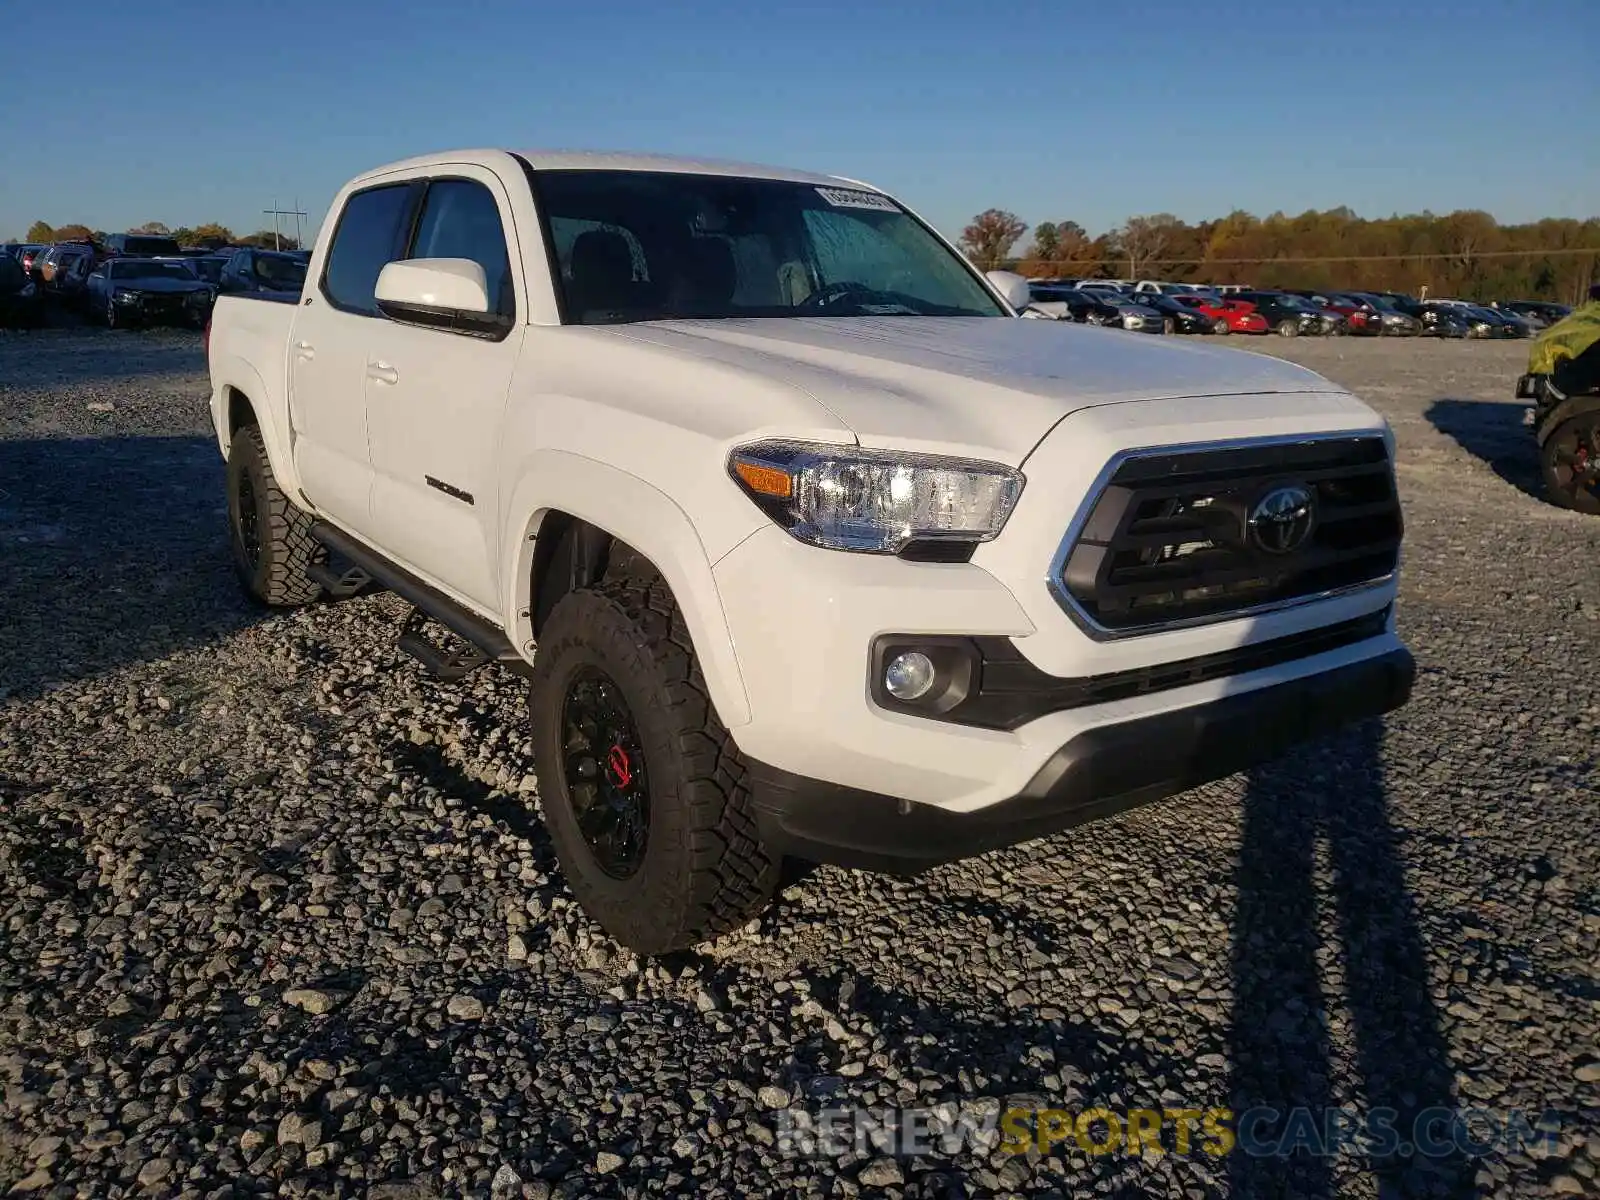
{"points": [[844, 198]]}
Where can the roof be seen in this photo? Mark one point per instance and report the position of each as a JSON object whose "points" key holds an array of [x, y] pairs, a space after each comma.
{"points": [[603, 160]]}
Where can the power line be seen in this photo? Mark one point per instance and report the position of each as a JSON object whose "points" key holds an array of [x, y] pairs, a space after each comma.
{"points": [[1329, 258], [275, 212]]}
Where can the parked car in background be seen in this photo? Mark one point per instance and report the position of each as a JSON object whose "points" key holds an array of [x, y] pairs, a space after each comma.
{"points": [[1178, 318], [1156, 286], [1540, 310], [1358, 316], [1291, 316], [140, 245], [64, 270], [20, 302], [270, 274], [141, 291], [1105, 285], [1392, 322], [1234, 316], [210, 268], [1443, 320], [1071, 304], [1133, 315]]}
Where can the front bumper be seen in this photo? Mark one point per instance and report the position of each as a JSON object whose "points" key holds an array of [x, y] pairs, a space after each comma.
{"points": [[1101, 771]]}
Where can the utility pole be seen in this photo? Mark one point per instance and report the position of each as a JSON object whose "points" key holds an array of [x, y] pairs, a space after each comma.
{"points": [[275, 213]]}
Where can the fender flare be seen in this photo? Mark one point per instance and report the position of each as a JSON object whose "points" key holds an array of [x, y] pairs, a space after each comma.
{"points": [[235, 374], [1571, 407], [649, 521]]}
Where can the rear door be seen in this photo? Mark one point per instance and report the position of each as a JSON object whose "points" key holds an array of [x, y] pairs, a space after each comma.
{"points": [[328, 350], [436, 399]]}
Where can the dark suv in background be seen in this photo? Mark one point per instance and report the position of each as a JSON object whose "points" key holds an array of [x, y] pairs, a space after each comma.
{"points": [[140, 245]]}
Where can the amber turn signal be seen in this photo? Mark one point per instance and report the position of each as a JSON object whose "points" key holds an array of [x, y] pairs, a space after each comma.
{"points": [[764, 481]]}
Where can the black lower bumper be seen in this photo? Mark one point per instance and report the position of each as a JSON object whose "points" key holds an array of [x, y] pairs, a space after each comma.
{"points": [[1100, 772]]}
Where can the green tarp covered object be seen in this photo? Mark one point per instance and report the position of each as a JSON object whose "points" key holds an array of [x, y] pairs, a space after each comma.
{"points": [[1567, 338]]}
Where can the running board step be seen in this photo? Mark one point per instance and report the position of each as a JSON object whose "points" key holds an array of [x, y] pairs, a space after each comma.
{"points": [[489, 642], [339, 584], [446, 664]]}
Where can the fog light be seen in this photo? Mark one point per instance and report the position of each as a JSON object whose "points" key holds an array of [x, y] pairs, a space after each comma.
{"points": [[909, 676]]}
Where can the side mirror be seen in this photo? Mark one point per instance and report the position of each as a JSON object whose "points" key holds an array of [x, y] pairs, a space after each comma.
{"points": [[441, 293], [1010, 285]]}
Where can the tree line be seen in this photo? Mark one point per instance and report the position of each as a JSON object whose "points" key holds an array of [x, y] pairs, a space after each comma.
{"points": [[1466, 253], [209, 234]]}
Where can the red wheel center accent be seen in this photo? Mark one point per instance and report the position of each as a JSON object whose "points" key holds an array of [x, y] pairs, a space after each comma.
{"points": [[619, 768]]}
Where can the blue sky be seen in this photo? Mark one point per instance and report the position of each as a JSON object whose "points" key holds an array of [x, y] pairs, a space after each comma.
{"points": [[193, 110]]}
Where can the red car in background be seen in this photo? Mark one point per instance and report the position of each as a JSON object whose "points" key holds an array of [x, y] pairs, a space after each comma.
{"points": [[1359, 316], [1238, 316]]}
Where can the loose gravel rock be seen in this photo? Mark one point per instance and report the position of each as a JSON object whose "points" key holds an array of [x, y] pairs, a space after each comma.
{"points": [[280, 918]]}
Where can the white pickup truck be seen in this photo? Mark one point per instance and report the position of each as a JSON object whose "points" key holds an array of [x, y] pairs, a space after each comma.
{"points": [[808, 546]]}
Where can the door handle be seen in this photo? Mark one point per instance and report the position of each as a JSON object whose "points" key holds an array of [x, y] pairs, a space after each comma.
{"points": [[305, 351], [382, 372]]}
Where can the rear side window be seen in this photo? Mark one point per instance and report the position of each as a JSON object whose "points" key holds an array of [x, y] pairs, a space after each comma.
{"points": [[364, 243], [460, 220]]}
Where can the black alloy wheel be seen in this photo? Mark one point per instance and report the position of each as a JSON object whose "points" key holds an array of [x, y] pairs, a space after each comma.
{"points": [[605, 772], [249, 522]]}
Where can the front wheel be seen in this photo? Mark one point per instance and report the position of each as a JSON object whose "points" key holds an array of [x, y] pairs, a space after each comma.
{"points": [[113, 319], [1570, 462], [1168, 325], [271, 538], [1220, 326], [1288, 328], [642, 788]]}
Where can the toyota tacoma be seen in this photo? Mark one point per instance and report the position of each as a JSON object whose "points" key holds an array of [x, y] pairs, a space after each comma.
{"points": [[808, 547]]}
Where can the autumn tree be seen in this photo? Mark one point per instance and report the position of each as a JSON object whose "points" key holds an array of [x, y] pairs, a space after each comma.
{"points": [[41, 232], [74, 233], [267, 240], [153, 228], [1143, 240], [988, 240]]}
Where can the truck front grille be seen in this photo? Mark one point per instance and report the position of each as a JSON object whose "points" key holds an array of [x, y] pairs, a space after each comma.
{"points": [[1192, 535]]}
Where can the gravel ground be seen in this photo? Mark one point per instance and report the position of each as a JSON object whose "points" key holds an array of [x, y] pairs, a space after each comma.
{"points": [[279, 918]]}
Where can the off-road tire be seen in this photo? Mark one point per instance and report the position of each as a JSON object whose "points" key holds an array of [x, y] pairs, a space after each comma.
{"points": [[276, 574], [1558, 483], [705, 870]]}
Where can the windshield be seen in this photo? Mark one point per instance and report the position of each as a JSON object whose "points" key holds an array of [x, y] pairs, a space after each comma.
{"points": [[285, 274], [209, 269], [149, 268], [649, 246]]}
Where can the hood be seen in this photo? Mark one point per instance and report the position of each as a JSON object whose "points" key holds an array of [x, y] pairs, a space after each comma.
{"points": [[154, 285], [977, 386]]}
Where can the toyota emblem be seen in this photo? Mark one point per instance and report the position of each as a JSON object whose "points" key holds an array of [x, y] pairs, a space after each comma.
{"points": [[1281, 521]]}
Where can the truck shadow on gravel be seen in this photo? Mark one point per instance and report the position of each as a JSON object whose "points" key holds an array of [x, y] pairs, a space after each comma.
{"points": [[1493, 432], [112, 551], [1316, 821]]}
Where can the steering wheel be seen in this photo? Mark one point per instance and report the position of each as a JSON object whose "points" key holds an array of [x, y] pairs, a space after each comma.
{"points": [[830, 294]]}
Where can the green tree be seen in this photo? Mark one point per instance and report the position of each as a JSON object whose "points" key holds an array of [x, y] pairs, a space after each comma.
{"points": [[988, 240], [267, 240], [73, 233], [152, 227], [41, 231]]}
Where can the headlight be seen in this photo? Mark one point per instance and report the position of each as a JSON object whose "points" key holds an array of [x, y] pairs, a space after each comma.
{"points": [[128, 297], [844, 498]]}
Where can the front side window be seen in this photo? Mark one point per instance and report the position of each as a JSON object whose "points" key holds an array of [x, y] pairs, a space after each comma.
{"points": [[648, 246], [364, 243], [461, 220]]}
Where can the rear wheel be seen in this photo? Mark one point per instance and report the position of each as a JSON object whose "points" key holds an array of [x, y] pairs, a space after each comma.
{"points": [[1288, 328], [271, 538], [113, 319], [1220, 326], [642, 788], [1570, 460]]}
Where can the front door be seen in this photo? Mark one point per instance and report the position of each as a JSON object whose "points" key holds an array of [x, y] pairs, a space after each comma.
{"points": [[328, 354], [436, 402]]}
